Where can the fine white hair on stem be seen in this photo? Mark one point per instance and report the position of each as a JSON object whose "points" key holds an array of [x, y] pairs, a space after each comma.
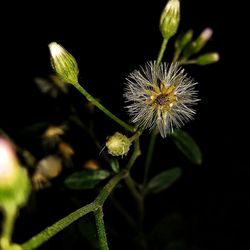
{"points": [[161, 96]]}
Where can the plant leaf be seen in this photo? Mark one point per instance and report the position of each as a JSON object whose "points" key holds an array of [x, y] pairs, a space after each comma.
{"points": [[114, 164], [85, 179], [186, 144], [163, 180]]}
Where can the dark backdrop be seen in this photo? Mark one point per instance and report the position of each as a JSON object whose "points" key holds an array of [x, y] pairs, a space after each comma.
{"points": [[111, 39]]}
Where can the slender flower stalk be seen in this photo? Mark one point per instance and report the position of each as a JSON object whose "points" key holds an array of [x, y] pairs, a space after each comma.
{"points": [[66, 68], [103, 109]]}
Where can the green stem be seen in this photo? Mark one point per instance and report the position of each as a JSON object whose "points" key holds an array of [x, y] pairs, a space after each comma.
{"points": [[49, 232], [91, 99], [103, 243], [9, 214], [176, 55], [130, 182], [108, 188], [162, 51], [136, 135], [149, 155], [186, 62], [136, 153]]}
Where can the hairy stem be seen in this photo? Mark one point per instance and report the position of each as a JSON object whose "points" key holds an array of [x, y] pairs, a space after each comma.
{"points": [[103, 243], [49, 232], [91, 99]]}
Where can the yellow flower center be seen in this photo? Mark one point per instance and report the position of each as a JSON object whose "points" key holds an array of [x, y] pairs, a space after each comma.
{"points": [[162, 96], [161, 99]]}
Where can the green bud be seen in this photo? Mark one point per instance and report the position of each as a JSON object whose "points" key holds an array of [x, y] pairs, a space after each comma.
{"points": [[14, 181], [183, 40], [170, 19], [198, 44], [63, 63], [207, 58], [118, 144]]}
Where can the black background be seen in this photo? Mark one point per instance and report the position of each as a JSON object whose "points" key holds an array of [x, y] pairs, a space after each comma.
{"points": [[109, 40]]}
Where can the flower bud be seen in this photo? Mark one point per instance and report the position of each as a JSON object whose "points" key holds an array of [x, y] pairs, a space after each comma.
{"points": [[118, 144], [14, 182], [170, 19], [8, 164], [183, 40], [199, 43], [63, 63], [208, 58], [203, 38]]}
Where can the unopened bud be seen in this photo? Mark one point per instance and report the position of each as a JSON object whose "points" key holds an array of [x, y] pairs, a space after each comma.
{"points": [[8, 164], [206, 34], [170, 19], [203, 38], [118, 144], [14, 182], [199, 43], [63, 63], [183, 40], [208, 58]]}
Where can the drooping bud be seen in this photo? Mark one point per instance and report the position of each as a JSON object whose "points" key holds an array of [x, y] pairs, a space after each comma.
{"points": [[118, 144], [63, 63], [208, 58], [170, 19]]}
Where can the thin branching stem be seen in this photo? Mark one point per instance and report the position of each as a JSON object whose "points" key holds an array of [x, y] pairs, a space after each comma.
{"points": [[91, 99], [49, 232]]}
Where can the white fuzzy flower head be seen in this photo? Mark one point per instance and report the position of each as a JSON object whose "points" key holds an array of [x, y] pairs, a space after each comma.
{"points": [[161, 96]]}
